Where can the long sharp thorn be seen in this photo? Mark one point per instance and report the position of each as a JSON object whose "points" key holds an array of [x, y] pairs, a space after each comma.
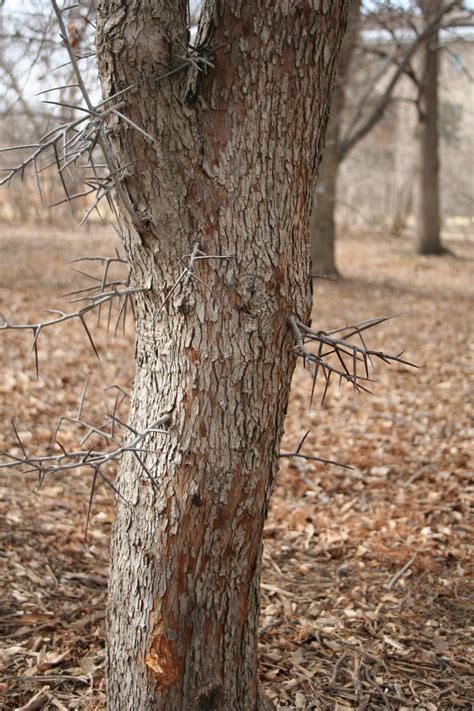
{"points": [[89, 508], [124, 314], [42, 473], [341, 360], [302, 441], [113, 413], [89, 276], [69, 106], [62, 447], [121, 311], [36, 333], [56, 88], [354, 366], [117, 94], [119, 114], [145, 469], [83, 396], [313, 386], [328, 378], [19, 440], [58, 163], [366, 365], [109, 317], [367, 354], [123, 424], [132, 309], [55, 433], [315, 376], [113, 487], [91, 341]]}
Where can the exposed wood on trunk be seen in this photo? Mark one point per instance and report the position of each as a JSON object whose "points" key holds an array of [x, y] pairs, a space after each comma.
{"points": [[232, 174]]}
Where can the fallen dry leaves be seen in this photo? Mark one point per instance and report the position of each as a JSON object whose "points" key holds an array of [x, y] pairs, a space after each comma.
{"points": [[367, 597]]}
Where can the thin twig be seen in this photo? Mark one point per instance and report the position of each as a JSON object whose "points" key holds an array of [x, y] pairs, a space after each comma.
{"points": [[394, 580]]}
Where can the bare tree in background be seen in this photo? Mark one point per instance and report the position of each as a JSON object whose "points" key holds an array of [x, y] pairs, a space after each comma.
{"points": [[367, 109], [31, 60], [323, 218], [428, 219], [410, 39]]}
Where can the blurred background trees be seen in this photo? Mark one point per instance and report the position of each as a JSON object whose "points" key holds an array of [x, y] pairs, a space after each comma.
{"points": [[32, 59], [402, 105]]}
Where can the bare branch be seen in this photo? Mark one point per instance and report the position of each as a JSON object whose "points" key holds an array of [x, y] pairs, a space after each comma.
{"points": [[189, 273], [345, 354], [354, 135], [69, 460], [105, 291], [309, 457]]}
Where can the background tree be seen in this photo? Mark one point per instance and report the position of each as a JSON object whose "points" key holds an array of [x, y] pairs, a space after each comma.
{"points": [[368, 108], [323, 227], [428, 220], [358, 108]]}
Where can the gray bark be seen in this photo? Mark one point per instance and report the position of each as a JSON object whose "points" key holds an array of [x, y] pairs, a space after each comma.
{"points": [[428, 223], [233, 173], [323, 221]]}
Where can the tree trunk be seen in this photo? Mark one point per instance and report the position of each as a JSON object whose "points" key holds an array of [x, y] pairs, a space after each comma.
{"points": [[428, 227], [323, 218], [323, 222], [229, 176]]}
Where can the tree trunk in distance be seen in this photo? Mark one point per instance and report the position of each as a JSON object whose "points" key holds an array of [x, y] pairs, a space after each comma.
{"points": [[323, 222], [229, 175], [428, 225]]}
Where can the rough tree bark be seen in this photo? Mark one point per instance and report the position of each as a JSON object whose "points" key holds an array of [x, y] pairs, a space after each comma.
{"points": [[323, 223], [229, 174], [428, 224]]}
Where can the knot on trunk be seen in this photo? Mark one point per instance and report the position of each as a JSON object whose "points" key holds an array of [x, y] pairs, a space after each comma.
{"points": [[210, 697]]}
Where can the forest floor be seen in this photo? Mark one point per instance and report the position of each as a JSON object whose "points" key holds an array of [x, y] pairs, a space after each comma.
{"points": [[367, 596]]}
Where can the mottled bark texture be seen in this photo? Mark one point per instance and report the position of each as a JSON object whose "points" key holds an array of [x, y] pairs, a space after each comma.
{"points": [[428, 225], [323, 219], [232, 172]]}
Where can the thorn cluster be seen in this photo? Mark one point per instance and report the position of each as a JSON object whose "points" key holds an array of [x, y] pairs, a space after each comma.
{"points": [[105, 291], [337, 355], [60, 459]]}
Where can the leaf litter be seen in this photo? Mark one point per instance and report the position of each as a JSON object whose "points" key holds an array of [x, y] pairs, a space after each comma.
{"points": [[367, 595]]}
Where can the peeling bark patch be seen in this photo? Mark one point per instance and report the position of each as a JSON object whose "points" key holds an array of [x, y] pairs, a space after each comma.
{"points": [[161, 661]]}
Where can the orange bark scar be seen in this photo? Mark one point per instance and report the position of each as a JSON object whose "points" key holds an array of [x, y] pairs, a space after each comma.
{"points": [[162, 663]]}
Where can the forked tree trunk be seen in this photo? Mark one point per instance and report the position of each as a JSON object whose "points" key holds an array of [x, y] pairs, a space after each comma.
{"points": [[428, 225], [323, 217], [229, 175]]}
